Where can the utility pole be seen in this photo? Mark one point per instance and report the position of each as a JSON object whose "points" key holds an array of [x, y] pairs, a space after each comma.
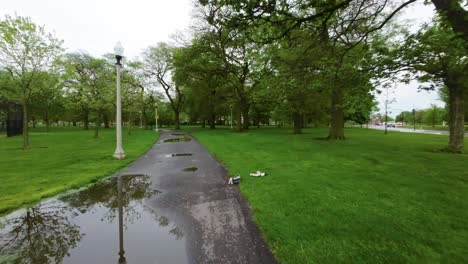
{"points": [[387, 88]]}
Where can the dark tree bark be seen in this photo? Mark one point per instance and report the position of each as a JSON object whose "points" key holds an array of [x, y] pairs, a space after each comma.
{"points": [[86, 120], [105, 118], [297, 121], [456, 118], [97, 125], [455, 14], [212, 121], [337, 115], [25, 127], [203, 124], [245, 108], [177, 119]]}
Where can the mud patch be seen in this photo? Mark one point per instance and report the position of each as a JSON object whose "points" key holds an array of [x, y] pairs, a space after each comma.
{"points": [[179, 139], [190, 169]]}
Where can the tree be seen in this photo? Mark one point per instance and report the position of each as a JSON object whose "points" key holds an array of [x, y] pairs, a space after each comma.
{"points": [[47, 103], [26, 50], [438, 58], [158, 64], [90, 86]]}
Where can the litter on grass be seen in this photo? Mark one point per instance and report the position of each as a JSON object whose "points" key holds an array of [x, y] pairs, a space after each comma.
{"points": [[234, 180], [258, 174]]}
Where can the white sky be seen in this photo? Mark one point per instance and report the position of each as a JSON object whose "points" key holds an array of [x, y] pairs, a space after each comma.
{"points": [[408, 96], [96, 25]]}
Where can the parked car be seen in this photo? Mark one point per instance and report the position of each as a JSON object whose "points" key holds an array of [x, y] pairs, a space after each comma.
{"points": [[391, 125]]}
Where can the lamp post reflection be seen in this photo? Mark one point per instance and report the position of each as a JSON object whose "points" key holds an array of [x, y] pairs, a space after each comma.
{"points": [[121, 243]]}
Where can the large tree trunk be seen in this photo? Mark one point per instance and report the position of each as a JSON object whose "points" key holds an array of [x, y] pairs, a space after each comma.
{"points": [[177, 119], [85, 120], [297, 120], [456, 119], [105, 118], [25, 127], [245, 115], [239, 121], [203, 124], [98, 124], [212, 121], [337, 115]]}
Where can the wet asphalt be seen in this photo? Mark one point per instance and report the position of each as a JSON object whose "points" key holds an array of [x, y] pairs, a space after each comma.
{"points": [[214, 218]]}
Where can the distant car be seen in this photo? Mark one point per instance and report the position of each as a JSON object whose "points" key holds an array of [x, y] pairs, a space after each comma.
{"points": [[391, 125]]}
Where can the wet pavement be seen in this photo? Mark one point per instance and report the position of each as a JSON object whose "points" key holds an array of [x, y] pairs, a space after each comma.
{"points": [[152, 213]]}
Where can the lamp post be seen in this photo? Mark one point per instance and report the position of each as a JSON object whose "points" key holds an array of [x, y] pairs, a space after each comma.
{"points": [[119, 152], [156, 116]]}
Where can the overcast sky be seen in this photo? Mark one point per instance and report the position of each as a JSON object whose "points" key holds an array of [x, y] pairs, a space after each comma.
{"points": [[96, 25]]}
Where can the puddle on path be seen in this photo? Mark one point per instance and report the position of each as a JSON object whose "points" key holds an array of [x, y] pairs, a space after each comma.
{"points": [[179, 139], [179, 155], [106, 223], [190, 169]]}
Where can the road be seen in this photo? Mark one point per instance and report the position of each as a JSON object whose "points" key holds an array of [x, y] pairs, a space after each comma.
{"points": [[409, 130]]}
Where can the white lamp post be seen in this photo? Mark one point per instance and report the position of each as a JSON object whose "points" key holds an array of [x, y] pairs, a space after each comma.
{"points": [[119, 152]]}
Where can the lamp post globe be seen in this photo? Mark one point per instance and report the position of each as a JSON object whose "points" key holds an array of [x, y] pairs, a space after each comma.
{"points": [[119, 152]]}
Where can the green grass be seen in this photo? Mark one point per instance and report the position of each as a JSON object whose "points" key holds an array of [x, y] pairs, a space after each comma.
{"points": [[61, 159], [372, 198]]}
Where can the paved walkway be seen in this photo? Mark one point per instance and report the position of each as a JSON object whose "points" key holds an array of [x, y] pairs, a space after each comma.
{"points": [[215, 219]]}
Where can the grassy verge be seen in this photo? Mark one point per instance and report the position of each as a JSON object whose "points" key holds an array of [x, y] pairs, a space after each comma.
{"points": [[61, 159], [373, 198]]}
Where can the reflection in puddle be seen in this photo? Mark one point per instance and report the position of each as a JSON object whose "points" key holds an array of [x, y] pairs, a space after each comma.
{"points": [[178, 139], [190, 169], [105, 223], [179, 155]]}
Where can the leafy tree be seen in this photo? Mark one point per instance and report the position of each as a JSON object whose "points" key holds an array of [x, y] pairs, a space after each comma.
{"points": [[26, 51], [436, 57], [91, 83], [48, 102], [158, 64]]}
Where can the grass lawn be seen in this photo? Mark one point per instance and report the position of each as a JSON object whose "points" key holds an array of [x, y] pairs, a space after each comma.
{"points": [[373, 198], [62, 159]]}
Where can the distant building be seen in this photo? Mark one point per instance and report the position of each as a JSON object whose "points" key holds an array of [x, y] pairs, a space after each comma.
{"points": [[11, 118]]}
